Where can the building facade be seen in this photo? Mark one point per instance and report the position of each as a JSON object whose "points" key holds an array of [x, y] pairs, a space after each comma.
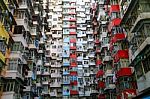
{"points": [[74, 49]]}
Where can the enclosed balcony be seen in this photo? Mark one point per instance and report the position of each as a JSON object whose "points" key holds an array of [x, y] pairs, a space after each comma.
{"points": [[87, 91], [118, 37], [101, 96], [109, 83], [45, 80], [126, 71], [55, 82], [99, 73], [66, 39], [115, 22], [98, 62], [73, 55], [72, 26], [66, 80], [66, 90], [101, 84], [66, 62], [72, 40], [121, 54], [66, 51], [73, 46], [74, 90], [97, 41], [72, 19], [114, 8], [15, 69]]}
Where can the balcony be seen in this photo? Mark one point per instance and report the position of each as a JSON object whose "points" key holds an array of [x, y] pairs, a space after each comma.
{"points": [[99, 73], [66, 63], [40, 51], [109, 72], [32, 46], [11, 95], [114, 8], [66, 82], [87, 74], [73, 73], [46, 73], [97, 41], [101, 84], [45, 82], [27, 89], [129, 93], [65, 72], [73, 47], [73, 40], [73, 64], [121, 54], [114, 23], [72, 19], [107, 58], [55, 75], [38, 72], [87, 93], [39, 62], [125, 72], [91, 63], [56, 35], [74, 83], [14, 74], [81, 93], [118, 37], [94, 91], [23, 22], [79, 58], [55, 84], [72, 33], [98, 50], [98, 62], [66, 93], [66, 40], [53, 94], [74, 92], [101, 96], [72, 26], [38, 84], [91, 55], [109, 86], [18, 55], [73, 55]]}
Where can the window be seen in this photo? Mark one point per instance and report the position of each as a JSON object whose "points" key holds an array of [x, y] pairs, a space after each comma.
{"points": [[13, 64], [17, 46], [9, 86], [52, 71], [54, 46], [2, 47]]}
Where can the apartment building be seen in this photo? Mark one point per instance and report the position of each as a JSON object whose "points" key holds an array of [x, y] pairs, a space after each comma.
{"points": [[125, 73], [54, 44], [137, 26], [74, 49]]}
